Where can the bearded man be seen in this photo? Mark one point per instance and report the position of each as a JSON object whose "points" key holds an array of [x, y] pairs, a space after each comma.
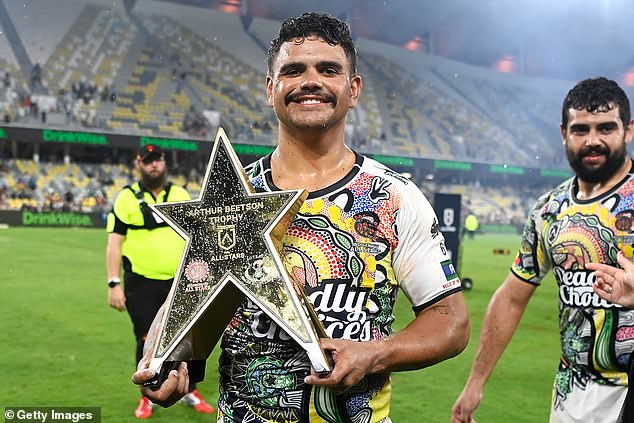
{"points": [[149, 251], [588, 218]]}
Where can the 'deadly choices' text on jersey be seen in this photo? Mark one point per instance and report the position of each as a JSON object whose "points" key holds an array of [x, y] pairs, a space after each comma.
{"points": [[562, 234], [352, 246]]}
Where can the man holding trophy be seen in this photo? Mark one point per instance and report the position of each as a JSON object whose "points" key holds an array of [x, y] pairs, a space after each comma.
{"points": [[362, 233]]}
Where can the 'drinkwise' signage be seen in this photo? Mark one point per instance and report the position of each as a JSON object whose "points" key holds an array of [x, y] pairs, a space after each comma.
{"points": [[60, 219]]}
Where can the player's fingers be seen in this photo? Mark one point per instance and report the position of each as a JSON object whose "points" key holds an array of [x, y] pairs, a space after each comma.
{"points": [[183, 378], [624, 262], [141, 376], [603, 292], [459, 416]]}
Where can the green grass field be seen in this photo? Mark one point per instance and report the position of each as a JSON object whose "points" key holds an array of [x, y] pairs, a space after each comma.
{"points": [[63, 346]]}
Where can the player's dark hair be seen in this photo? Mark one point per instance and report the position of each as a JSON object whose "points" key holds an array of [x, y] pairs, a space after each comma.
{"points": [[332, 30], [596, 95]]}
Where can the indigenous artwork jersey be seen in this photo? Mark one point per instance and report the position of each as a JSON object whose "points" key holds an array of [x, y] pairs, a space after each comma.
{"points": [[562, 234], [352, 246]]}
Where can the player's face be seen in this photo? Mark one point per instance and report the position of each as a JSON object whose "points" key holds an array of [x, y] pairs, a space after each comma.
{"points": [[596, 143], [311, 87], [153, 171]]}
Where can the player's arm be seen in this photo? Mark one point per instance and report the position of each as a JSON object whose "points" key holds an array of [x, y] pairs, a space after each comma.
{"points": [[116, 297], [502, 317], [177, 383], [438, 332]]}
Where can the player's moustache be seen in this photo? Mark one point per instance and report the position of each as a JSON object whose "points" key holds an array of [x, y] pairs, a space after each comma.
{"points": [[594, 149], [295, 96]]}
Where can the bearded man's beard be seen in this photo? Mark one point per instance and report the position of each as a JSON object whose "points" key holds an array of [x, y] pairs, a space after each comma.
{"points": [[152, 182], [614, 160]]}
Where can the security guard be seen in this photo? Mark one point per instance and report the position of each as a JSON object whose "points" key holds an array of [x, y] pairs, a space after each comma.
{"points": [[471, 225], [149, 252]]}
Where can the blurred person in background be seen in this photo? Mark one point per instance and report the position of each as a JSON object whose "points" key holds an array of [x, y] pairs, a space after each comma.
{"points": [[471, 225]]}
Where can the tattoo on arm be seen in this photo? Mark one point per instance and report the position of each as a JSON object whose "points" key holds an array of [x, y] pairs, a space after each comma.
{"points": [[441, 309]]}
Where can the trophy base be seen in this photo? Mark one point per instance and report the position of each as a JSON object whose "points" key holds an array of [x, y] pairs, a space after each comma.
{"points": [[195, 369]]}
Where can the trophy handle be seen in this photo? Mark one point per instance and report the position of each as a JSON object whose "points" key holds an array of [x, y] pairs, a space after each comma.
{"points": [[195, 369], [161, 375]]}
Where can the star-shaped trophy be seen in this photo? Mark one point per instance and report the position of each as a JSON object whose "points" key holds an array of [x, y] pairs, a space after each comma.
{"points": [[233, 250]]}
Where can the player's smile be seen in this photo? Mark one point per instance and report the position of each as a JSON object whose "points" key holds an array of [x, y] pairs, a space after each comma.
{"points": [[307, 99]]}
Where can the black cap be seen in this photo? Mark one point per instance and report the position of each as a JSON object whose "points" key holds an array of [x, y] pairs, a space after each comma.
{"points": [[150, 150]]}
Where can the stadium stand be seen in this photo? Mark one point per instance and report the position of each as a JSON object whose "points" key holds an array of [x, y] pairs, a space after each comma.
{"points": [[171, 59], [145, 71], [85, 187], [494, 204], [168, 70]]}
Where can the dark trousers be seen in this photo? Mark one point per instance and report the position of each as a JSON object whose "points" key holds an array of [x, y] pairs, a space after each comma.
{"points": [[144, 297]]}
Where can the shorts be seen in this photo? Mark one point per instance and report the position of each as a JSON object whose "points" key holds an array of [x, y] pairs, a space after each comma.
{"points": [[596, 403]]}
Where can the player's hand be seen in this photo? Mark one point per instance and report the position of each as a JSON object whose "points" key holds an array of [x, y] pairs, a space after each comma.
{"points": [[173, 388], [116, 298], [351, 362], [614, 284], [465, 405]]}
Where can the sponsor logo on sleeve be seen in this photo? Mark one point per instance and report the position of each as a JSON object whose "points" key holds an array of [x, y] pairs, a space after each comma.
{"points": [[450, 274]]}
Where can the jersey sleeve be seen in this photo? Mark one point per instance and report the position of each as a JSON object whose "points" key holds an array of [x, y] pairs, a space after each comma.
{"points": [[421, 262], [532, 262]]}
